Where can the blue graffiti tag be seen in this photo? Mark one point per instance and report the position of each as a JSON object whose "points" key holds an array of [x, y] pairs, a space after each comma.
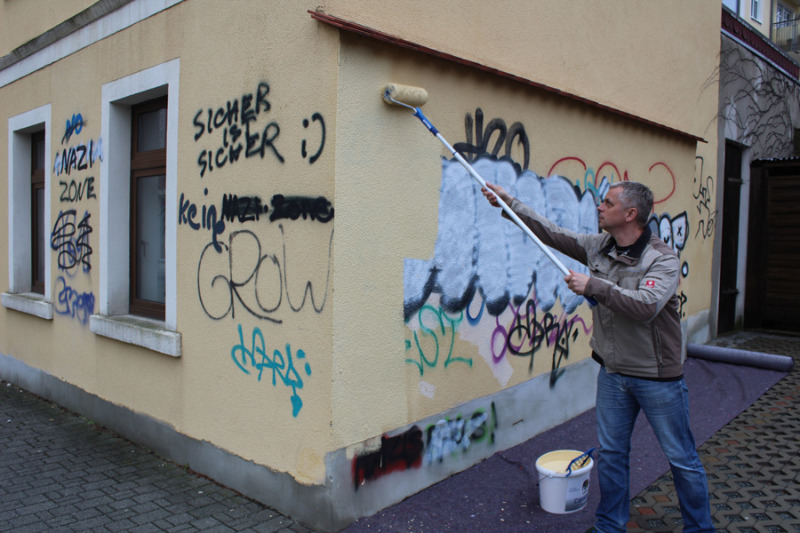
{"points": [[72, 303], [281, 366]]}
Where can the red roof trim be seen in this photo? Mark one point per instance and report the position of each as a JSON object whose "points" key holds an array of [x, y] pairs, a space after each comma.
{"points": [[372, 33], [733, 25]]}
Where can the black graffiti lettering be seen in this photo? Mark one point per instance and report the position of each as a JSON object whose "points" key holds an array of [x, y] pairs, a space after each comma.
{"points": [[239, 272], [73, 190], [705, 201], [248, 113], [220, 152], [78, 157], [565, 332], [230, 113], [397, 453], [203, 163], [81, 150], [528, 334], [504, 143], [187, 213], [294, 207], [257, 143], [72, 245], [198, 124], [261, 97], [243, 208], [316, 117]]}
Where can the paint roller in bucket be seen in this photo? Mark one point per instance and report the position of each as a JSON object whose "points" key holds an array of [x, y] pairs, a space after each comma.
{"points": [[413, 97], [564, 480]]}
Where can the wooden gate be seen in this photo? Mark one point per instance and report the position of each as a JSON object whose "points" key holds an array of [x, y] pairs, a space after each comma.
{"points": [[772, 298]]}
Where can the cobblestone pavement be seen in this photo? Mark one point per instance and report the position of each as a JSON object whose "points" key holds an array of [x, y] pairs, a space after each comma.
{"points": [[60, 472], [752, 463]]}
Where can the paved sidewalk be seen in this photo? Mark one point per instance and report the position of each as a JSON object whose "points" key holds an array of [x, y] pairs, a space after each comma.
{"points": [[61, 472], [752, 464]]}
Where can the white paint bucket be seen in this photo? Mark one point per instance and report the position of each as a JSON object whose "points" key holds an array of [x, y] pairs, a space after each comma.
{"points": [[560, 493]]}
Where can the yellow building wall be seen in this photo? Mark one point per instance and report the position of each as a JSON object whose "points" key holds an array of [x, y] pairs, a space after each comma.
{"points": [[646, 58], [448, 355], [31, 18], [255, 372], [377, 356]]}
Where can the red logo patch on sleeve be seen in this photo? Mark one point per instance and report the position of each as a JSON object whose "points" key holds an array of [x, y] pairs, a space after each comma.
{"points": [[650, 283]]}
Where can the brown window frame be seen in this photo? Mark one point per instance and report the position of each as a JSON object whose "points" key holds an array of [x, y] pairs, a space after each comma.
{"points": [[143, 164], [37, 184]]}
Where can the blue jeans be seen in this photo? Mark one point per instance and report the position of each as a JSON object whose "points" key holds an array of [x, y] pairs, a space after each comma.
{"points": [[666, 406]]}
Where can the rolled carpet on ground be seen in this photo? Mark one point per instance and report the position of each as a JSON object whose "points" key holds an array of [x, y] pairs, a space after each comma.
{"points": [[734, 356]]}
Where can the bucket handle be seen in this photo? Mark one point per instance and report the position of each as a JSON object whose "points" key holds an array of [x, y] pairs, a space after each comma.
{"points": [[581, 460]]}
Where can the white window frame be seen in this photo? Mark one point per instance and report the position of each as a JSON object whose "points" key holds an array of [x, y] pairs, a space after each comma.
{"points": [[113, 319], [20, 252], [755, 10]]}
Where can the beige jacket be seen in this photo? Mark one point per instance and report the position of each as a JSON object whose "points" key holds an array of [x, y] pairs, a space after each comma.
{"points": [[636, 324]]}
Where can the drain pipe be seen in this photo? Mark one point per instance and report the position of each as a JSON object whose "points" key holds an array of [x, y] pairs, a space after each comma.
{"points": [[733, 356]]}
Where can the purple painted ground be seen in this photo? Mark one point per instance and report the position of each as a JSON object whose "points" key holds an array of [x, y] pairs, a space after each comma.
{"points": [[501, 494]]}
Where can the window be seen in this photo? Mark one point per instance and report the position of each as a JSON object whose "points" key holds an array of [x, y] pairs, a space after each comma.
{"points": [[29, 213], [148, 205], [755, 10], [783, 14], [138, 196], [733, 5], [38, 230]]}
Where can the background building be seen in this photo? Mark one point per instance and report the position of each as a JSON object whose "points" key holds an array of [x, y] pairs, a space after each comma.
{"points": [[757, 192], [223, 244]]}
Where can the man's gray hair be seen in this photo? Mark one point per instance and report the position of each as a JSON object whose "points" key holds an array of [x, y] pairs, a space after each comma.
{"points": [[636, 195]]}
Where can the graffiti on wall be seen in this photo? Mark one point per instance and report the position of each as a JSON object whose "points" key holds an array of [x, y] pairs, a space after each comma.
{"points": [[246, 276], [415, 448], [478, 251], [237, 130], [253, 264], [254, 358], [72, 303], [70, 239], [449, 437], [486, 275], [81, 156], [394, 454], [434, 342], [496, 140], [234, 208], [704, 196], [71, 232], [531, 330]]}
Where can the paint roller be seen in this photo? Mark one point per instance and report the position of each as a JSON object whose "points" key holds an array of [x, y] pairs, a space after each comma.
{"points": [[413, 97]]}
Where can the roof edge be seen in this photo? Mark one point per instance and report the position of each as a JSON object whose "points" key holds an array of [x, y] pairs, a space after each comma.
{"points": [[372, 33]]}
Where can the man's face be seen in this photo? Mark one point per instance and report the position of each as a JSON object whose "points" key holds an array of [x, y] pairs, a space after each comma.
{"points": [[611, 213]]}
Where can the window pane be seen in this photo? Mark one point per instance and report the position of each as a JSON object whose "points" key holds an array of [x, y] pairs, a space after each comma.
{"points": [[38, 235], [38, 153], [150, 219], [152, 134]]}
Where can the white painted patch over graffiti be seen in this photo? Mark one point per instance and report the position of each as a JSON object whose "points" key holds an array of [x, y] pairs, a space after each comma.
{"points": [[478, 250]]}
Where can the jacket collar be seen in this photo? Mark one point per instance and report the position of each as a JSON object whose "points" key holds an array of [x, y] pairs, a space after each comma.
{"points": [[634, 253]]}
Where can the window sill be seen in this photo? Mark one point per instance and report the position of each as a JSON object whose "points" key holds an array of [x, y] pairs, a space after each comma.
{"points": [[30, 303], [140, 331]]}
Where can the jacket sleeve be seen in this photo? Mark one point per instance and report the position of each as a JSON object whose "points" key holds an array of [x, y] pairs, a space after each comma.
{"points": [[644, 303], [565, 241]]}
